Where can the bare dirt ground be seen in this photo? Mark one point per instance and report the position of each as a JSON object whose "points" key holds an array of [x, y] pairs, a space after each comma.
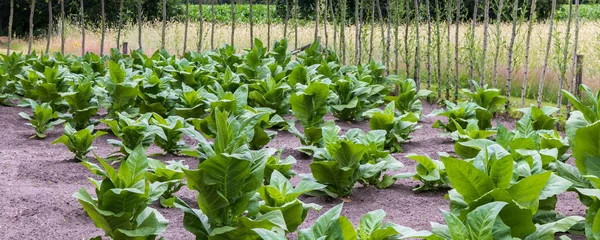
{"points": [[37, 180]]}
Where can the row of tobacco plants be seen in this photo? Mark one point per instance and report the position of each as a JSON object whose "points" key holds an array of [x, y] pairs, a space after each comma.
{"points": [[504, 184], [231, 105]]}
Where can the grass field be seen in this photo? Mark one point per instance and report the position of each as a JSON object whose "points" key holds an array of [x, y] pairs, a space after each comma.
{"points": [[589, 44]]}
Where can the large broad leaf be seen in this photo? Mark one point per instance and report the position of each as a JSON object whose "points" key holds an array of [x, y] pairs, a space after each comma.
{"points": [[480, 221], [194, 220], [245, 226], [592, 221], [547, 231], [586, 149], [457, 230], [526, 193], [309, 106], [469, 181], [576, 121], [326, 226]]}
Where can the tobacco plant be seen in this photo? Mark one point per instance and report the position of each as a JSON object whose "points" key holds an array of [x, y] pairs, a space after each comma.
{"points": [[430, 172], [82, 104], [79, 142], [462, 113], [309, 107], [397, 127], [276, 164], [133, 132], [43, 120], [332, 225], [351, 98], [120, 207], [409, 98], [493, 177], [171, 130], [281, 195], [169, 176]]}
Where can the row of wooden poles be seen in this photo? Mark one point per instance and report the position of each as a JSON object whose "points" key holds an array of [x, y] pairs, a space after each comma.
{"points": [[340, 45]]}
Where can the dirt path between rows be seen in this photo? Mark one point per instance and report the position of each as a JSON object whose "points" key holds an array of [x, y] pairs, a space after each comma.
{"points": [[37, 180]]}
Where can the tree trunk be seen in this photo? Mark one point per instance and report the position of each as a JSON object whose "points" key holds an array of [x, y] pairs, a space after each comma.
{"points": [[296, 24], [486, 17], [548, 46], [10, 23], [212, 27], [563, 69], [325, 24], [527, 46], [62, 27], [449, 18], [268, 25], [456, 46], [139, 19], [372, 30], [30, 39], [50, 26], [389, 36], [251, 26], [382, 28], [361, 20], [406, 28], [472, 44], [201, 27], [232, 22], [82, 29], [428, 45], [343, 30], [438, 48], [103, 31], [417, 76], [164, 25], [356, 26], [511, 45], [317, 2], [287, 18], [572, 87], [397, 39], [120, 24], [335, 23], [498, 43], [187, 23]]}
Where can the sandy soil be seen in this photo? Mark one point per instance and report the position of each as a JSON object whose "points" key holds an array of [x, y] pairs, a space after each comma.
{"points": [[38, 180]]}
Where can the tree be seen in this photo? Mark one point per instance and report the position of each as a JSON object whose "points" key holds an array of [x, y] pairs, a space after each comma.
{"points": [[30, 39], [164, 25], [49, 34], [82, 29], [10, 23], [103, 28]]}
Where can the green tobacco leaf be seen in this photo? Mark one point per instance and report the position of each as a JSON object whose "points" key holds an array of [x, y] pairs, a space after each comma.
{"points": [[480, 221], [469, 181], [326, 226], [586, 149]]}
